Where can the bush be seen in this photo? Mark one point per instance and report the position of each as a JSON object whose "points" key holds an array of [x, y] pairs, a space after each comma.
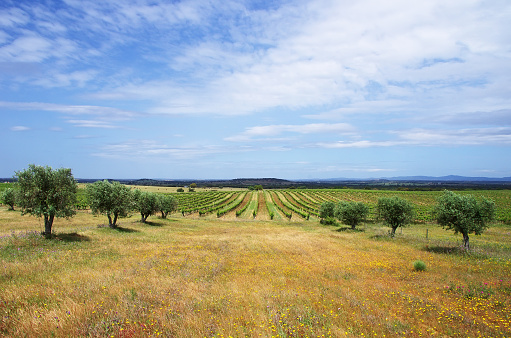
{"points": [[419, 266]]}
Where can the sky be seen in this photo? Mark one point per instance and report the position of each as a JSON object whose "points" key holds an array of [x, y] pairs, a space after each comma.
{"points": [[221, 89]]}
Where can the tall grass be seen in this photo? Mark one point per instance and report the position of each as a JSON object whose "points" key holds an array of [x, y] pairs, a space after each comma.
{"points": [[212, 278]]}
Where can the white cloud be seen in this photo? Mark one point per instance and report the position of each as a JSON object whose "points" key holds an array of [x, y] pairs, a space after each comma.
{"points": [[330, 53], [35, 48], [92, 124], [19, 128], [139, 149], [469, 136], [75, 79], [358, 144], [252, 133], [107, 113], [432, 137], [13, 17]]}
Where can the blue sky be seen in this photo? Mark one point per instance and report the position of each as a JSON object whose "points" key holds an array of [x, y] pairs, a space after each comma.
{"points": [[227, 89]]}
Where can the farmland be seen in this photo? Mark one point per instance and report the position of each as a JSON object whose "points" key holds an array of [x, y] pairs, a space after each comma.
{"points": [[222, 266], [295, 204]]}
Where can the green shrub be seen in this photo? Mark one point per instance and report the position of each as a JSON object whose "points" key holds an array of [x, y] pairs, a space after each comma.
{"points": [[419, 266], [328, 221]]}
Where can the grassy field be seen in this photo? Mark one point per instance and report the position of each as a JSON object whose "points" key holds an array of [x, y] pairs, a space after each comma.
{"points": [[205, 277]]}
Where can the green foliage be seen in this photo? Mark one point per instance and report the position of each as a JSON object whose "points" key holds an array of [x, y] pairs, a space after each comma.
{"points": [[112, 199], [327, 210], [9, 197], [256, 187], [82, 202], [289, 203], [223, 209], [419, 265], [167, 204], [351, 213], [47, 193], [395, 212], [464, 214], [180, 190], [242, 210], [147, 203]]}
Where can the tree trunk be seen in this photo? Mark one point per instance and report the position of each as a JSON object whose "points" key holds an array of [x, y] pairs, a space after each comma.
{"points": [[163, 215], [393, 232], [48, 223], [112, 223], [143, 218], [465, 242], [353, 227]]}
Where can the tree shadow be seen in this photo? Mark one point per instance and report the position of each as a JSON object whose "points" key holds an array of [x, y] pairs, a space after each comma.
{"points": [[127, 230], [71, 237], [118, 228], [348, 228], [445, 249], [154, 224]]}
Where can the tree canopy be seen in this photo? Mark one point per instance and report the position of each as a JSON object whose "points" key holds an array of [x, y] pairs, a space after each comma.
{"points": [[327, 212], [110, 198], [395, 212], [167, 204], [46, 192], [351, 213], [9, 197], [464, 214], [147, 203]]}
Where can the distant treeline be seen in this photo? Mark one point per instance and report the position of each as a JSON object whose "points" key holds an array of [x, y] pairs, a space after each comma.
{"points": [[274, 183]]}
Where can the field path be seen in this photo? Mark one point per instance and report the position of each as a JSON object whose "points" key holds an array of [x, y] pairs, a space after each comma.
{"points": [[247, 214], [262, 211]]}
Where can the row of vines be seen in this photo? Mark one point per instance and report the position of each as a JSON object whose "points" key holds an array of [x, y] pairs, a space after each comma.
{"points": [[305, 204]]}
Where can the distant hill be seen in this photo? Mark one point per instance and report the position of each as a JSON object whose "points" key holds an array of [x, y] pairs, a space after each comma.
{"points": [[392, 183], [450, 178]]}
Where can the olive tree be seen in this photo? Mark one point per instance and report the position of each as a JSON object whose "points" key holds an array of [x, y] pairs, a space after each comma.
{"points": [[9, 197], [166, 204], [46, 192], [112, 199], [395, 212], [464, 214], [351, 213], [147, 203], [327, 212]]}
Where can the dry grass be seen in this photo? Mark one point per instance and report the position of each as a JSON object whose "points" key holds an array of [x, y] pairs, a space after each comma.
{"points": [[213, 278], [164, 190]]}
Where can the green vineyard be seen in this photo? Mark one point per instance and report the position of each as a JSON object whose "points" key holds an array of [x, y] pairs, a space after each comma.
{"points": [[294, 204]]}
